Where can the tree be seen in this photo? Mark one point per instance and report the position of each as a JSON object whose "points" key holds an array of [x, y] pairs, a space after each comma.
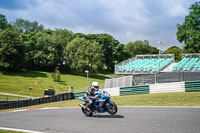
{"points": [[29, 41], [80, 35], [84, 55], [28, 32], [139, 47], [46, 49], [11, 50], [45, 53], [189, 32], [3, 22], [25, 26], [119, 54], [60, 38], [176, 51], [110, 48]]}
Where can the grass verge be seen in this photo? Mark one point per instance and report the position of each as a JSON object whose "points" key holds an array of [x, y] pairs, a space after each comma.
{"points": [[161, 99], [20, 82], [11, 98], [8, 131]]}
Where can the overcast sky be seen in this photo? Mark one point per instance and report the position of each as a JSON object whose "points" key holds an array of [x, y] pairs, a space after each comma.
{"points": [[125, 20]]}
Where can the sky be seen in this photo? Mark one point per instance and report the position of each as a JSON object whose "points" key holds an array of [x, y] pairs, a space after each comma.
{"points": [[125, 20]]}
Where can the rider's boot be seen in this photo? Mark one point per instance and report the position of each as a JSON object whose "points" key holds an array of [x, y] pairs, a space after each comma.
{"points": [[83, 106]]}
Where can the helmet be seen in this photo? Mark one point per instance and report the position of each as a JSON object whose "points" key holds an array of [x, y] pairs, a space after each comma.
{"points": [[95, 85]]}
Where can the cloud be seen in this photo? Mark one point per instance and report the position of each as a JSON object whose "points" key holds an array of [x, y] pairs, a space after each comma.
{"points": [[177, 11]]}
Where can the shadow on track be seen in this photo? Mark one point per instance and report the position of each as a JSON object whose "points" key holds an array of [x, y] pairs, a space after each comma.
{"points": [[108, 116]]}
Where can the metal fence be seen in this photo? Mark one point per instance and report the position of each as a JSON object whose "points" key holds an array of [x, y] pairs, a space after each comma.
{"points": [[143, 79], [119, 82], [165, 77]]}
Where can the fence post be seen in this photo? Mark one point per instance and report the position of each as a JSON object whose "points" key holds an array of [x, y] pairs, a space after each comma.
{"points": [[182, 76], [155, 78]]}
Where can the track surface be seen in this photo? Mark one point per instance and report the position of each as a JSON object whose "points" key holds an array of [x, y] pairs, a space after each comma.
{"points": [[127, 120]]}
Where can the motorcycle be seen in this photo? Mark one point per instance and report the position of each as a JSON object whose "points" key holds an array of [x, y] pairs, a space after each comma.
{"points": [[102, 105]]}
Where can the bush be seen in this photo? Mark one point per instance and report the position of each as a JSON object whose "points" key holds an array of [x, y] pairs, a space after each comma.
{"points": [[56, 75]]}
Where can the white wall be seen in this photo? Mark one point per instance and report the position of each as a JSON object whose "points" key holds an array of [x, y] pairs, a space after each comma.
{"points": [[167, 87], [113, 91]]}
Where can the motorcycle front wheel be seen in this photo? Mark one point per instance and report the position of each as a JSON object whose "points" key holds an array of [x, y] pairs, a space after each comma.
{"points": [[87, 112], [111, 108]]}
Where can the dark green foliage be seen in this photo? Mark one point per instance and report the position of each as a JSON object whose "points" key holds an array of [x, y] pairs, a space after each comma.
{"points": [[176, 51], [50, 48], [56, 75], [46, 49], [138, 48], [3, 22], [26, 26], [189, 32], [11, 50], [110, 47], [84, 55]]}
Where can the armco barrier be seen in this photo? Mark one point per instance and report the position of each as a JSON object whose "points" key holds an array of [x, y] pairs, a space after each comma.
{"points": [[23, 103], [78, 94], [192, 86], [134, 90]]}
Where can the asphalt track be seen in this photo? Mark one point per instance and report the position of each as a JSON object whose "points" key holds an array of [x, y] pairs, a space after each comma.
{"points": [[127, 120]]}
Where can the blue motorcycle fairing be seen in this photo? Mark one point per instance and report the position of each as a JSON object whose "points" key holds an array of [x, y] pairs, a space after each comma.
{"points": [[82, 98]]}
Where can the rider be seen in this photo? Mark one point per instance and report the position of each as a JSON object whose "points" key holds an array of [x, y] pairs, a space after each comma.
{"points": [[90, 95]]}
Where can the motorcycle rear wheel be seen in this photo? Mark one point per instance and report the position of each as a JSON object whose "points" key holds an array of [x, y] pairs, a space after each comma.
{"points": [[112, 109]]}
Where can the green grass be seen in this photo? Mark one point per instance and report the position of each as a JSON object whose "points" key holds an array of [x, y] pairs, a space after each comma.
{"points": [[20, 82], [8, 131], [161, 99], [11, 98]]}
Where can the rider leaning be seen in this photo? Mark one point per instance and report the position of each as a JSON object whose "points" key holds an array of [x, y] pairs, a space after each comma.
{"points": [[90, 95]]}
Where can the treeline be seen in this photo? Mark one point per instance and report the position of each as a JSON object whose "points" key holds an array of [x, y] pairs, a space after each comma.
{"points": [[28, 45]]}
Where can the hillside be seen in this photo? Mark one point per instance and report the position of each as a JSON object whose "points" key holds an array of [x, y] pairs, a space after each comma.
{"points": [[20, 82]]}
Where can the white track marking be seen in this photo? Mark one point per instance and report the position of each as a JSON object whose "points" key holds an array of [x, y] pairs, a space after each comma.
{"points": [[19, 130]]}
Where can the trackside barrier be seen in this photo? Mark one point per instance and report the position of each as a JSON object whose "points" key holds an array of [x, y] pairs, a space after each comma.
{"points": [[134, 90], [78, 94], [192, 86], [24, 103], [152, 88], [187, 86], [167, 87]]}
